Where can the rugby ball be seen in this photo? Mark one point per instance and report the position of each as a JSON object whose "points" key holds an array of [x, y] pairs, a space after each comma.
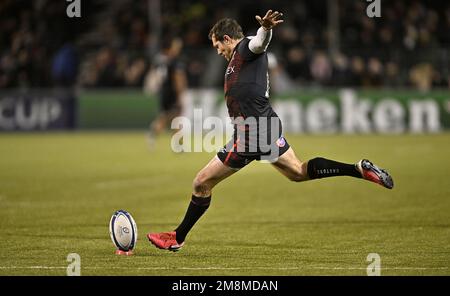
{"points": [[123, 230]]}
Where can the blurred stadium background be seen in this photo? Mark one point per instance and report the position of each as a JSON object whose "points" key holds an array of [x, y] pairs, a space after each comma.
{"points": [[342, 82], [108, 52]]}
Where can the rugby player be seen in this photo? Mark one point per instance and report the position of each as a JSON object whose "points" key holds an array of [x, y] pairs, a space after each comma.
{"points": [[246, 94], [173, 85]]}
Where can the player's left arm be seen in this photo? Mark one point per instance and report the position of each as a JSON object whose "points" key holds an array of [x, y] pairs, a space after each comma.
{"points": [[261, 41]]}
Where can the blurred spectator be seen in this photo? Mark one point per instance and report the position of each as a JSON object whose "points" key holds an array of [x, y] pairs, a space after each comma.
{"points": [[357, 74], [106, 69], [422, 76], [65, 66], [321, 68], [297, 65], [392, 75], [341, 68], [170, 72], [375, 73]]}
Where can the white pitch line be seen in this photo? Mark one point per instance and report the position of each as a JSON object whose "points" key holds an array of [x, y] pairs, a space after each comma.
{"points": [[228, 268], [383, 268], [33, 267]]}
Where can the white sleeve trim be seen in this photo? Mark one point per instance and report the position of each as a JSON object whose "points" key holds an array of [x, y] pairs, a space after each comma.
{"points": [[259, 43]]}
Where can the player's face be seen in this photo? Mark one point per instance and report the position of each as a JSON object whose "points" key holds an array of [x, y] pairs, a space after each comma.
{"points": [[223, 48]]}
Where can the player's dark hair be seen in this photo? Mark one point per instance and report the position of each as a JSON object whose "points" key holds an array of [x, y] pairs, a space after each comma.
{"points": [[224, 27]]}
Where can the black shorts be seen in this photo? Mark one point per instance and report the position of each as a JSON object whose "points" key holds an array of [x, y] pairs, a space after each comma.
{"points": [[237, 160]]}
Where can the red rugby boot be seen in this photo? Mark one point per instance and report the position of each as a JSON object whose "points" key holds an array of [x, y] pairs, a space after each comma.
{"points": [[372, 173], [165, 241]]}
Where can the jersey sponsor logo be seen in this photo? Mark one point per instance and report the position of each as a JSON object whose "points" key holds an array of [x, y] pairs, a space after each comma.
{"points": [[230, 70]]}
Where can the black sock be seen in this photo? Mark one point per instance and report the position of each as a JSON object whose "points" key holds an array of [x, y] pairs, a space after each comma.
{"points": [[323, 168], [196, 209]]}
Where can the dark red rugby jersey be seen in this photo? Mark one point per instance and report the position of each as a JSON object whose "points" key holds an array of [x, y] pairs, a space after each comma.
{"points": [[246, 84]]}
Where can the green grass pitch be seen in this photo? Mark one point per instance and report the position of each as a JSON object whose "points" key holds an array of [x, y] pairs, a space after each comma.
{"points": [[59, 190]]}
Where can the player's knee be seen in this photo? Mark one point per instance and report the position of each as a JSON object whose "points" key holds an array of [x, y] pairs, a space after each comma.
{"points": [[200, 184]]}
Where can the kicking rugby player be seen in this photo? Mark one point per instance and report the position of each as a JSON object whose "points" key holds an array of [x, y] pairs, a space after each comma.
{"points": [[246, 94]]}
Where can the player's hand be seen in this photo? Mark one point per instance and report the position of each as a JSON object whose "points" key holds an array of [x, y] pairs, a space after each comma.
{"points": [[270, 20]]}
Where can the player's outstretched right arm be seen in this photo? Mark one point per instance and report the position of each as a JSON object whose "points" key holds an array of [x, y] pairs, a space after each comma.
{"points": [[261, 41]]}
